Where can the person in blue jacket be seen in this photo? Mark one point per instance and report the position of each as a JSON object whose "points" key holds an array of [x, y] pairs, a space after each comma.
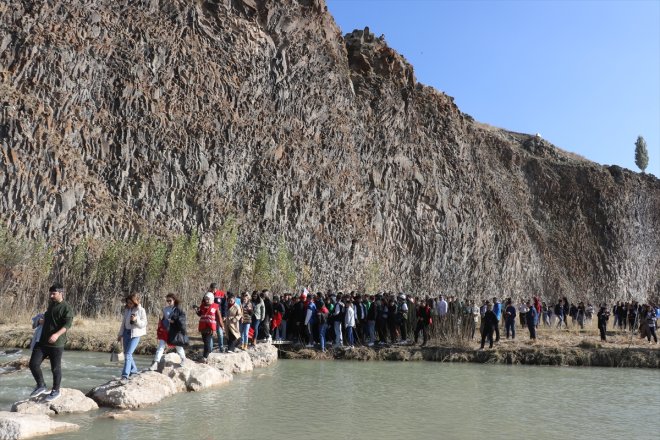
{"points": [[497, 310]]}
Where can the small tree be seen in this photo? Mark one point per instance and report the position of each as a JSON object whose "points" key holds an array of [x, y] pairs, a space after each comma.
{"points": [[641, 154]]}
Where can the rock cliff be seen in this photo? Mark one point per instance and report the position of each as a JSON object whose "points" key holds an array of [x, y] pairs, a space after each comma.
{"points": [[121, 119]]}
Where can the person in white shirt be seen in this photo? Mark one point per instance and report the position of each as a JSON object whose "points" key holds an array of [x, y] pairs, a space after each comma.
{"points": [[442, 306]]}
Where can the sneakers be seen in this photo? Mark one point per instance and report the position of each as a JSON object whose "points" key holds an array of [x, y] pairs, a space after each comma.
{"points": [[309, 345], [38, 391], [153, 366], [54, 394]]}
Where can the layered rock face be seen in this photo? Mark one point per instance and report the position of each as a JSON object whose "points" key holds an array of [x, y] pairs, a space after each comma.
{"points": [[159, 116]]}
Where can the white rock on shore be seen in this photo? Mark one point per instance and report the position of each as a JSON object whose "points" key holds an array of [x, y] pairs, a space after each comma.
{"points": [[14, 426], [192, 376], [141, 390], [70, 401], [234, 363], [263, 355]]}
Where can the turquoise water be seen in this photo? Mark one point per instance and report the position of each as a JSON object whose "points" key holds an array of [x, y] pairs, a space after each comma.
{"points": [[379, 400]]}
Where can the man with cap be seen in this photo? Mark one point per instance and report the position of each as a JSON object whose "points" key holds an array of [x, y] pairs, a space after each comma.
{"points": [[56, 322]]}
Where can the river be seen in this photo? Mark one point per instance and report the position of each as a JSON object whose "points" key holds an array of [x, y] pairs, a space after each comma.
{"points": [[302, 399]]}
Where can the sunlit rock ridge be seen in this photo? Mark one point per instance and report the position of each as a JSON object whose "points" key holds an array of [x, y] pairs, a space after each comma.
{"points": [[120, 119]]}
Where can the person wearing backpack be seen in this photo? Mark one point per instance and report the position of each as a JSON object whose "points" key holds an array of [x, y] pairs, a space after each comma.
{"points": [[171, 330], [322, 317]]}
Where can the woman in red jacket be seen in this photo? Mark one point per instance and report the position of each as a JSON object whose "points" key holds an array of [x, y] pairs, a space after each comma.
{"points": [[209, 320]]}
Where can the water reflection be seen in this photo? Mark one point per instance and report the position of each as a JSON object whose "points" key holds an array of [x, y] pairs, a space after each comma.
{"points": [[379, 400]]}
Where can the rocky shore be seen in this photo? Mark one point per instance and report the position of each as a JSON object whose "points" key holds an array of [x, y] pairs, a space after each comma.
{"points": [[147, 388], [587, 356]]}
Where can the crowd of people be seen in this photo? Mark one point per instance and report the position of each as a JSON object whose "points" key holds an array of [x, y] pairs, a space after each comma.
{"points": [[346, 319], [323, 320]]}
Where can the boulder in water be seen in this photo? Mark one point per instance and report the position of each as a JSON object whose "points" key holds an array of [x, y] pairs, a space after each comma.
{"points": [[70, 401], [14, 426], [140, 390], [194, 377]]}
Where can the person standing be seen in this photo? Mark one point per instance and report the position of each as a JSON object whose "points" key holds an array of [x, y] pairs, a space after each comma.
{"points": [[209, 320], [268, 314], [581, 314], [133, 326], [510, 319], [423, 320], [259, 313], [56, 322], [532, 316], [234, 315], [349, 323], [559, 313], [310, 320], [475, 314], [246, 319], [402, 318], [221, 301], [169, 325], [322, 313], [338, 314], [651, 321], [497, 310], [603, 315], [489, 323], [371, 321]]}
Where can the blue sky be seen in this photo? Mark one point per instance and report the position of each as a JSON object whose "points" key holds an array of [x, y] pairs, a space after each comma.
{"points": [[583, 74]]}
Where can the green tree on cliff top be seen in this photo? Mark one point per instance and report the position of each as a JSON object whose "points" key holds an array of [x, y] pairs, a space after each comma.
{"points": [[641, 154]]}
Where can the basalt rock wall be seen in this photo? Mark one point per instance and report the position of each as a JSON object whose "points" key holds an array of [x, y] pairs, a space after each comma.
{"points": [[121, 119]]}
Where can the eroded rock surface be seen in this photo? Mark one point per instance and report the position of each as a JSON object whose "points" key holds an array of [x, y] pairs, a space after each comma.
{"points": [[70, 401], [233, 363], [14, 426], [263, 355], [193, 376], [124, 120], [141, 390]]}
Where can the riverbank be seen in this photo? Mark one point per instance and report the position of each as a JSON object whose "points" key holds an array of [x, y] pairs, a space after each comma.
{"points": [[574, 347]]}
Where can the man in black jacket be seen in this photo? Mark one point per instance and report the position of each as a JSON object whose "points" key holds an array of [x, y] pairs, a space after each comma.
{"points": [[603, 317], [489, 324]]}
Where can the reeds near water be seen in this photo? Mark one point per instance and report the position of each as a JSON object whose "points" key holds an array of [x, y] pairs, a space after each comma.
{"points": [[97, 273]]}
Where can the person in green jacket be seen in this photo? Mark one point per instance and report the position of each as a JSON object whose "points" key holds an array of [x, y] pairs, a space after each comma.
{"points": [[57, 320]]}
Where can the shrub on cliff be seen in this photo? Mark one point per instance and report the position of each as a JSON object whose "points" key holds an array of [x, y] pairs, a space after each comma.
{"points": [[641, 154]]}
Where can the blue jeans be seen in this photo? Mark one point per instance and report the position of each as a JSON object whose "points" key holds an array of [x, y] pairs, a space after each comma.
{"points": [[280, 332], [350, 335], [221, 337], [322, 329], [245, 329], [371, 328], [255, 326], [338, 336], [510, 326], [130, 344]]}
